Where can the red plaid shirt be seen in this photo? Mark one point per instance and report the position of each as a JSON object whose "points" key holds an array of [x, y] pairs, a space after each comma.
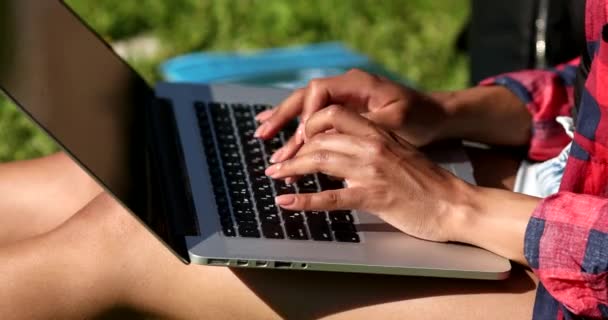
{"points": [[566, 241]]}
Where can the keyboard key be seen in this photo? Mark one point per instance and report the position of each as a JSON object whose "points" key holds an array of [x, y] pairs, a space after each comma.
{"points": [[214, 105], [343, 227], [347, 237], [241, 202], [226, 221], [341, 216], [260, 180], [244, 212], [249, 231], [262, 189], [226, 137], [272, 218], [252, 223], [296, 230], [320, 232], [229, 231], [272, 231], [295, 216], [272, 145], [328, 183], [282, 188], [289, 129], [246, 124], [266, 198], [318, 225], [259, 108], [267, 207], [254, 152], [316, 216], [249, 141], [224, 212], [239, 193], [308, 184], [237, 185], [241, 112]]}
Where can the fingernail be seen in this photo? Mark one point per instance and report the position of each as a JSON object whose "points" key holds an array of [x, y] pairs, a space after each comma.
{"points": [[270, 171], [285, 200], [261, 115], [289, 180], [261, 131], [276, 157]]}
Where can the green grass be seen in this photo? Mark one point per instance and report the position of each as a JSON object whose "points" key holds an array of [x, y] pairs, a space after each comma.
{"points": [[413, 38]]}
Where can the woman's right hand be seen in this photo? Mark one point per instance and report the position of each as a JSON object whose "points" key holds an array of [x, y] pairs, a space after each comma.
{"points": [[412, 115], [388, 177]]}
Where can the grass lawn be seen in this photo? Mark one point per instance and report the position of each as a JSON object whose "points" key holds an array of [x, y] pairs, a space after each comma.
{"points": [[413, 38]]}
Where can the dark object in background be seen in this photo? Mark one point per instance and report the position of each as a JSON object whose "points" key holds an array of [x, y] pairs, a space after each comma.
{"points": [[504, 36]]}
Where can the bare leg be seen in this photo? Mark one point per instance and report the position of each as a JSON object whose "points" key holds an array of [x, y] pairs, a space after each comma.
{"points": [[102, 258], [38, 195]]}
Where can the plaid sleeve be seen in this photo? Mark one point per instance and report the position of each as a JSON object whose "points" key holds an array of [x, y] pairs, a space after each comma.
{"points": [[566, 244], [547, 94]]}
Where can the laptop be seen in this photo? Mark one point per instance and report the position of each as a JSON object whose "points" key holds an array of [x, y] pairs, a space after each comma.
{"points": [[182, 159]]}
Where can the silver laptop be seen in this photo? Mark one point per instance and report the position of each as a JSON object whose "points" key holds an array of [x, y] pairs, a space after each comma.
{"points": [[182, 159]]}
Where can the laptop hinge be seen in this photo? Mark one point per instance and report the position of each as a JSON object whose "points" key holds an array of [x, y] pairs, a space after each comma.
{"points": [[173, 194]]}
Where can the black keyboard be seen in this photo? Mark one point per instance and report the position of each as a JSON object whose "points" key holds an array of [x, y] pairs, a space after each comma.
{"points": [[244, 195]]}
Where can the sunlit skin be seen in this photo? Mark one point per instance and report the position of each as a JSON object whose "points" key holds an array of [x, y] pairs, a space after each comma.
{"points": [[69, 251]]}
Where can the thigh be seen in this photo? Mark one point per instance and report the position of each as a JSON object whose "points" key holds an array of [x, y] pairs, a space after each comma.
{"points": [[216, 292], [132, 268], [235, 293], [38, 195], [316, 295]]}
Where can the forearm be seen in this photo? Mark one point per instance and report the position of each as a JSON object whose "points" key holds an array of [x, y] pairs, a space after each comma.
{"points": [[492, 115], [495, 220]]}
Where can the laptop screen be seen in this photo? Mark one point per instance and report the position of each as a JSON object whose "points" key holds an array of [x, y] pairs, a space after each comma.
{"points": [[76, 88]]}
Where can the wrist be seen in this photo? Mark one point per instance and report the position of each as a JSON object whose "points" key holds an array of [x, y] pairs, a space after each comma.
{"points": [[495, 220], [488, 114], [453, 107], [463, 213]]}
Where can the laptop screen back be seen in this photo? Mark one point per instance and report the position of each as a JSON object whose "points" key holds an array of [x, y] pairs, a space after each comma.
{"points": [[75, 87]]}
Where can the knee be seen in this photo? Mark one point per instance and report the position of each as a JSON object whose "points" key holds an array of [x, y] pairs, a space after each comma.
{"points": [[101, 227], [109, 217], [75, 175]]}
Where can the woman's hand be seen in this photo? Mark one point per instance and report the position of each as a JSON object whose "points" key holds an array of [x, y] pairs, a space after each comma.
{"points": [[385, 175], [388, 177], [414, 116]]}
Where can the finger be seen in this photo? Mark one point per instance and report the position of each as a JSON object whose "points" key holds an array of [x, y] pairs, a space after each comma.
{"points": [[328, 162], [341, 143], [288, 150], [390, 117], [336, 142], [351, 89], [264, 115], [342, 120], [342, 199], [317, 97], [285, 112]]}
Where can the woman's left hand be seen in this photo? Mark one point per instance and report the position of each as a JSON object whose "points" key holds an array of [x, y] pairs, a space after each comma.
{"points": [[385, 176]]}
